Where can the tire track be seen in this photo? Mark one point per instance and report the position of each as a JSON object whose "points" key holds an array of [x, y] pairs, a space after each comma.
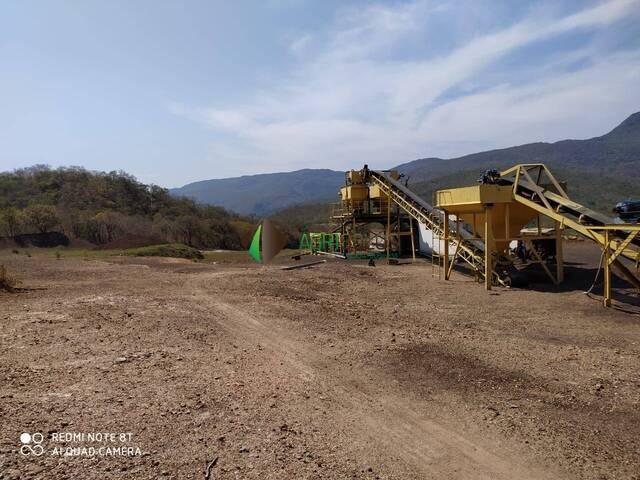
{"points": [[393, 424]]}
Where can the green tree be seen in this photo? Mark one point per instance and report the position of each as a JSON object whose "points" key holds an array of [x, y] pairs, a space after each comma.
{"points": [[11, 220], [41, 217]]}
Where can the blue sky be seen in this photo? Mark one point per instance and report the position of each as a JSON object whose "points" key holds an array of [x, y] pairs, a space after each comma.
{"points": [[174, 92]]}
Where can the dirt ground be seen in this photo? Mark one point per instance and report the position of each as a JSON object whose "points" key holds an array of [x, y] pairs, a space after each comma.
{"points": [[341, 371]]}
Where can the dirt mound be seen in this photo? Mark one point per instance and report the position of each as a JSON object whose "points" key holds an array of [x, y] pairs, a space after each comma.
{"points": [[81, 243], [130, 241]]}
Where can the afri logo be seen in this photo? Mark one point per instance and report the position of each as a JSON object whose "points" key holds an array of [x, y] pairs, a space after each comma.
{"points": [[31, 444]]}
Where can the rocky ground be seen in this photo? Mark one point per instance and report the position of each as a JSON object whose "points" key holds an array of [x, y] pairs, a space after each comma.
{"points": [[338, 371]]}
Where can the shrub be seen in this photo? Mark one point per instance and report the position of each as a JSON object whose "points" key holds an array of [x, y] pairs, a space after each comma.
{"points": [[7, 281], [174, 250], [11, 220]]}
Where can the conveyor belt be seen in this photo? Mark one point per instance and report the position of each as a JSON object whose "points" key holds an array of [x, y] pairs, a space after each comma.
{"points": [[469, 249], [559, 207]]}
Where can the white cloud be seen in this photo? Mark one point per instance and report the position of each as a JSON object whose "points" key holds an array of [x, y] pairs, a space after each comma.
{"points": [[299, 46], [588, 101], [360, 100]]}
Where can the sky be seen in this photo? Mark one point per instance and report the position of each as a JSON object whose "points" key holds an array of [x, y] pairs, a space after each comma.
{"points": [[174, 92]]}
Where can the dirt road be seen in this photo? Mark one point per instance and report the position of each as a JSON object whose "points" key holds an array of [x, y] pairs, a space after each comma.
{"points": [[340, 371]]}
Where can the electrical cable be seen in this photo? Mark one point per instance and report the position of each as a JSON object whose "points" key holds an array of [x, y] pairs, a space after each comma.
{"points": [[595, 280]]}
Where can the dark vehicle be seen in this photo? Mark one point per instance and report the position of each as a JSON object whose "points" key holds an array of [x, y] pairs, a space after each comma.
{"points": [[491, 177], [628, 210]]}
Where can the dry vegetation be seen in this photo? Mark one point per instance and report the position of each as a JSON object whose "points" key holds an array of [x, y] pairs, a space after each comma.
{"points": [[7, 281], [109, 208]]}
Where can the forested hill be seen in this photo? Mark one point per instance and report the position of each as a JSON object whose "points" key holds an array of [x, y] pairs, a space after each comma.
{"points": [[599, 171], [102, 207], [616, 153]]}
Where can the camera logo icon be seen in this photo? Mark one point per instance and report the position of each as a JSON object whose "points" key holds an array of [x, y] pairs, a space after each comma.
{"points": [[31, 444]]}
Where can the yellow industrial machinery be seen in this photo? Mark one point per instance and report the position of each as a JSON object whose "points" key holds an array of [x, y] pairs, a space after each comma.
{"points": [[378, 197], [478, 224], [498, 211], [369, 223], [466, 246]]}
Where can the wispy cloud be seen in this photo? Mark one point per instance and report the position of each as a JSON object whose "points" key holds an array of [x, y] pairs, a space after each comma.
{"points": [[371, 96], [299, 45]]}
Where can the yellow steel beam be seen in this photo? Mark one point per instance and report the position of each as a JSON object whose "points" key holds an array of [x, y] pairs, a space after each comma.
{"points": [[536, 188], [607, 271], [488, 247], [564, 221], [542, 262], [634, 227], [622, 247], [455, 253], [554, 181], [445, 255], [587, 231], [559, 254]]}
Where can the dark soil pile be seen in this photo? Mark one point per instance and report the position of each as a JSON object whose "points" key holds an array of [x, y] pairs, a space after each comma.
{"points": [[41, 240]]}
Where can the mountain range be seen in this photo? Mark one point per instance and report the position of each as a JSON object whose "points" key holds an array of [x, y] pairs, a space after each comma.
{"points": [[264, 194], [598, 170]]}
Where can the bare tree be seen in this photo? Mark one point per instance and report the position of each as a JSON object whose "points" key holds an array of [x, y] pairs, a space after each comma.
{"points": [[188, 228], [110, 225]]}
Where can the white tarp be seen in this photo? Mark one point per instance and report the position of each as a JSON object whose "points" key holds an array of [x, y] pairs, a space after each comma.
{"points": [[427, 241]]}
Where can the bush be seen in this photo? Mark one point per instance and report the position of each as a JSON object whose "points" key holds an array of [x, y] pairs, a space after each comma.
{"points": [[7, 281], [174, 250]]}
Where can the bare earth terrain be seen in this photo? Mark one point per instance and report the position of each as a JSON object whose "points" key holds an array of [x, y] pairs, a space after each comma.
{"points": [[339, 371]]}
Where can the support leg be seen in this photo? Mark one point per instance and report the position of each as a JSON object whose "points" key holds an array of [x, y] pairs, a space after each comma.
{"points": [[559, 254], [488, 248], [445, 254], [413, 242], [388, 239], [607, 271]]}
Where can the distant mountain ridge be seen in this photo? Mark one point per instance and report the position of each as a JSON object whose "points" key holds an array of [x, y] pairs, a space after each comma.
{"points": [[611, 160], [615, 153], [599, 171], [264, 194]]}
